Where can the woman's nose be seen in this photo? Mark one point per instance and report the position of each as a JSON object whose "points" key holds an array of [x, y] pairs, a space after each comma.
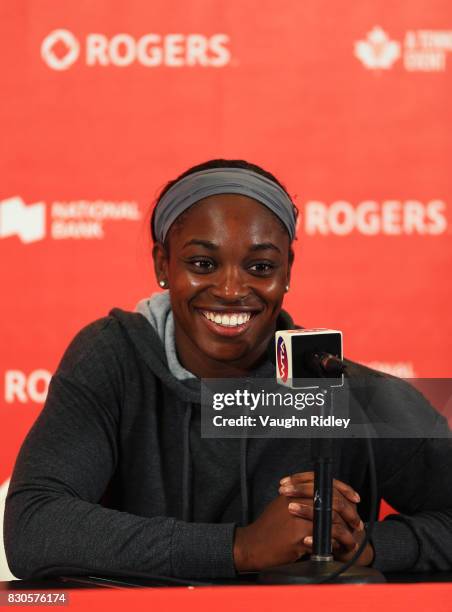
{"points": [[230, 284]]}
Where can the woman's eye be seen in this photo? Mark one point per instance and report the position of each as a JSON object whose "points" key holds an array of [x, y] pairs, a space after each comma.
{"points": [[261, 267], [203, 265]]}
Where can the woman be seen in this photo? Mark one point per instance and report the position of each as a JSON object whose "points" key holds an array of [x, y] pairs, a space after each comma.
{"points": [[114, 475]]}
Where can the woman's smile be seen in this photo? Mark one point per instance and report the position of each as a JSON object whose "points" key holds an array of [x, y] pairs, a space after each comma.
{"points": [[228, 323]]}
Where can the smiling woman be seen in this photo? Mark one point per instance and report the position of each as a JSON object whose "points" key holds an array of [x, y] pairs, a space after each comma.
{"points": [[225, 300], [114, 474]]}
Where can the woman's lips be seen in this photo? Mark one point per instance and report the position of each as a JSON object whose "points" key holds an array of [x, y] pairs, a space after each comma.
{"points": [[231, 327]]}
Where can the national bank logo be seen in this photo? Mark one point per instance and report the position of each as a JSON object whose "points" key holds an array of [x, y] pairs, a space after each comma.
{"points": [[61, 49], [78, 220], [377, 51], [28, 222]]}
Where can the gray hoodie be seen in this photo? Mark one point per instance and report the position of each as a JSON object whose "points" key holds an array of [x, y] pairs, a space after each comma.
{"points": [[115, 476]]}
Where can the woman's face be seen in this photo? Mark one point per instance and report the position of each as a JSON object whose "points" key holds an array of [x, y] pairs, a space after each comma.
{"points": [[227, 269]]}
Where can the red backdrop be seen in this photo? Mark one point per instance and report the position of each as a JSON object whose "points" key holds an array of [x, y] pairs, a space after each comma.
{"points": [[102, 102]]}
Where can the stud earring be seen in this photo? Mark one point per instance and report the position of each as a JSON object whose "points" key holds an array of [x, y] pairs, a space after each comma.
{"points": [[162, 284], [287, 288]]}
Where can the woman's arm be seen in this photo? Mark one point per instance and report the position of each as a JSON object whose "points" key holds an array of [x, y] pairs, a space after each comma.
{"points": [[420, 537], [414, 477], [53, 518]]}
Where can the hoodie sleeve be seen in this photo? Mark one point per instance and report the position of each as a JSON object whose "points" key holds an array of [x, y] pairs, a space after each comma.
{"points": [[54, 522], [415, 478], [420, 537]]}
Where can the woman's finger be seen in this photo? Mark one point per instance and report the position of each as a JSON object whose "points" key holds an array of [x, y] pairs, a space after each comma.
{"points": [[308, 543], [289, 485], [302, 510], [347, 511], [344, 537], [304, 493], [341, 504], [306, 511]]}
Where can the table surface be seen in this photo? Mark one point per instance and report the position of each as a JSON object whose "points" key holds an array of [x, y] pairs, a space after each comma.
{"points": [[114, 595], [348, 598]]}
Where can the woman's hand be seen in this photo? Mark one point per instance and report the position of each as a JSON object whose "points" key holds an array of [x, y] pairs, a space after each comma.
{"points": [[347, 531], [276, 537], [344, 499]]}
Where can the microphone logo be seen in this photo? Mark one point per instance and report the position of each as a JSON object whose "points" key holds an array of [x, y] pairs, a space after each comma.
{"points": [[283, 361]]}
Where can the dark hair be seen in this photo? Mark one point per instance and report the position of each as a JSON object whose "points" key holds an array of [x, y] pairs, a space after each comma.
{"points": [[219, 163]]}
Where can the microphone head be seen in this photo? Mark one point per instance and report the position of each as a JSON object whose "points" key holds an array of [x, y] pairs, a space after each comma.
{"points": [[309, 358]]}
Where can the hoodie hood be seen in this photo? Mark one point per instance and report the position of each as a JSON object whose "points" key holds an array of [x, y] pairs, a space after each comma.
{"points": [[157, 311], [151, 349]]}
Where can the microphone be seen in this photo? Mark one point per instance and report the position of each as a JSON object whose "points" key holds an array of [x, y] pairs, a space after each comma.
{"points": [[310, 358], [304, 356]]}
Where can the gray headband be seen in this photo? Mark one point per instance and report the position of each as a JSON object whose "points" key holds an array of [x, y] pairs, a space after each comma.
{"points": [[215, 181]]}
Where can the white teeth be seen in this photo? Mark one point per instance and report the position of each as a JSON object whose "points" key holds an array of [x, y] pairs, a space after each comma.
{"points": [[228, 320]]}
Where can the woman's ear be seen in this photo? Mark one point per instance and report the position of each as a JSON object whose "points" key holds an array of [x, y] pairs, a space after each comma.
{"points": [[160, 257]]}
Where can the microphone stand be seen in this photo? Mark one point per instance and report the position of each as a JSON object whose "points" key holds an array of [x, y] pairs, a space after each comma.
{"points": [[321, 564]]}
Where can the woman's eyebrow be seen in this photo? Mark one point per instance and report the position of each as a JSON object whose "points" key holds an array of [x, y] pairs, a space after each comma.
{"points": [[263, 246], [208, 244], [205, 243]]}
